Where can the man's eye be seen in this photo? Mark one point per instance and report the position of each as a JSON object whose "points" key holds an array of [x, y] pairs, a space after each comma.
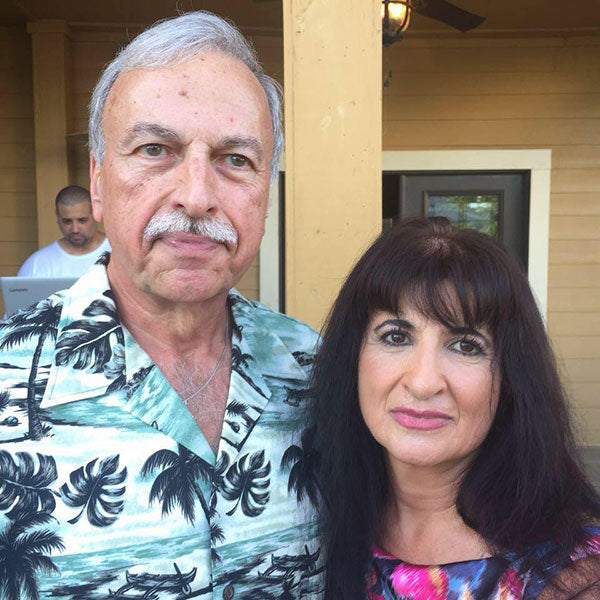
{"points": [[152, 150], [237, 160]]}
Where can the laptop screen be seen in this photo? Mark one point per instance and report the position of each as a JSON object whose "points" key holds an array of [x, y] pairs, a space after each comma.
{"points": [[21, 292]]}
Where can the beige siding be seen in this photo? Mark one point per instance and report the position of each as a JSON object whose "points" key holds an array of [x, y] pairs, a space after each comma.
{"points": [[522, 93], [18, 225], [90, 51]]}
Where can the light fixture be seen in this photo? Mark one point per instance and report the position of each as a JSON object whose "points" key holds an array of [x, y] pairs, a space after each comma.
{"points": [[395, 15]]}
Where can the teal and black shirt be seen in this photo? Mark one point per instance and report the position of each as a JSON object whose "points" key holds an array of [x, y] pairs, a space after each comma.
{"points": [[108, 488]]}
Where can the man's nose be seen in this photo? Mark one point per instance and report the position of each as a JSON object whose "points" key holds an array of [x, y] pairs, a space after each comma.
{"points": [[424, 375], [198, 188]]}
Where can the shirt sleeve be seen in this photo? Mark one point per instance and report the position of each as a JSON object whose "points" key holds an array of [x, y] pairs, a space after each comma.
{"points": [[27, 268]]}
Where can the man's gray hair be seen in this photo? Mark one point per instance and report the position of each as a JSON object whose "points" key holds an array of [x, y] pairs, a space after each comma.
{"points": [[176, 40]]}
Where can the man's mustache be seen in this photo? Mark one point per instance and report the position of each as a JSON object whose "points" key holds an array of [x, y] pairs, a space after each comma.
{"points": [[180, 221]]}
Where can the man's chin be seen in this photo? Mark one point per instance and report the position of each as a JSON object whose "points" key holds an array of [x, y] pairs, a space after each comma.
{"points": [[78, 242], [187, 286]]}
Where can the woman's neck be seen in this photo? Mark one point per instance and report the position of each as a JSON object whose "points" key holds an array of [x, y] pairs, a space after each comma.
{"points": [[421, 523]]}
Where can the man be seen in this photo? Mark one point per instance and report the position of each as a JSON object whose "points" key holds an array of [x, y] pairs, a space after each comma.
{"points": [[166, 457], [81, 245]]}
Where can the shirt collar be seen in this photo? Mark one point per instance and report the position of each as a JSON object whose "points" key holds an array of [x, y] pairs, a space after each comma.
{"points": [[90, 323]]}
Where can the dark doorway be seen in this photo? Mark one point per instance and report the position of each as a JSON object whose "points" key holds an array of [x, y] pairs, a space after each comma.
{"points": [[496, 203]]}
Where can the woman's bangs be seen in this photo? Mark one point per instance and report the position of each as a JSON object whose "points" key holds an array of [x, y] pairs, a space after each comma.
{"points": [[447, 288]]}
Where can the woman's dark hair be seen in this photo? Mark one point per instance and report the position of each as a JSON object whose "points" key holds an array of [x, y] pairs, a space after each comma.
{"points": [[526, 484]]}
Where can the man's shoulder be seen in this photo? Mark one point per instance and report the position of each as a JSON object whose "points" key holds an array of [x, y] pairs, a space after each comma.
{"points": [[49, 250], [294, 333], [40, 259]]}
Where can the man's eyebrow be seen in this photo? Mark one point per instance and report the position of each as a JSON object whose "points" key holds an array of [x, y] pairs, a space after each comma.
{"points": [[149, 129], [249, 143]]}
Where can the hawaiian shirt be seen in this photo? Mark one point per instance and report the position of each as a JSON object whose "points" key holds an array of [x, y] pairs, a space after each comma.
{"points": [[108, 488]]}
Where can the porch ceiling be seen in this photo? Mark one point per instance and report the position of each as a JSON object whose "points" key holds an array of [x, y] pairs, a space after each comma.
{"points": [[265, 16]]}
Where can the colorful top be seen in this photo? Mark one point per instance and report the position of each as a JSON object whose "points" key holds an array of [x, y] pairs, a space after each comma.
{"points": [[108, 489], [497, 578]]}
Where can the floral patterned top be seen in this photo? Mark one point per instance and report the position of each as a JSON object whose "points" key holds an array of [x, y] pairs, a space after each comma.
{"points": [[497, 578]]}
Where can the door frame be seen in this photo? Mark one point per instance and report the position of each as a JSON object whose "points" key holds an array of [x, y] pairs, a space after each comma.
{"points": [[538, 162]]}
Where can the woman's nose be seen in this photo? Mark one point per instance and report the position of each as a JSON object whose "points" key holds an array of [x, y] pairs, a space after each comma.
{"points": [[423, 376]]}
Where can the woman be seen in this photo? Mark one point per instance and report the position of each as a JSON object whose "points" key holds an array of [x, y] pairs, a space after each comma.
{"points": [[448, 467]]}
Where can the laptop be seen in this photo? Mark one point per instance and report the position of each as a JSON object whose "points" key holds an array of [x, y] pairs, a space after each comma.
{"points": [[21, 292]]}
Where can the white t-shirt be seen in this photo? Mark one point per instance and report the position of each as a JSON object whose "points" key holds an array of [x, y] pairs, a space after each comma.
{"points": [[53, 261]]}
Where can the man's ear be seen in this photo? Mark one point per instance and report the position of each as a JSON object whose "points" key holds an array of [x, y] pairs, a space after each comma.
{"points": [[96, 188]]}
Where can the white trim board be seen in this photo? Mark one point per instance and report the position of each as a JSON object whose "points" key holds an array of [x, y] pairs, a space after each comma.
{"points": [[538, 162], [268, 263]]}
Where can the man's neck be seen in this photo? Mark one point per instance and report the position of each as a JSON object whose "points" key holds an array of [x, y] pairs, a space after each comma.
{"points": [[168, 327], [81, 250], [189, 343]]}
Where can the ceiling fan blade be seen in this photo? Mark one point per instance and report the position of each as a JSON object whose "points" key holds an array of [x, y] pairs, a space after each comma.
{"points": [[452, 15]]}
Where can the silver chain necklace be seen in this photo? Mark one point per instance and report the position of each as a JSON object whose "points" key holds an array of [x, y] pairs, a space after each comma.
{"points": [[216, 368]]}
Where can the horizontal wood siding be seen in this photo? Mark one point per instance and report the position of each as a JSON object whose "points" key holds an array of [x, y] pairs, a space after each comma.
{"points": [[522, 93], [18, 222]]}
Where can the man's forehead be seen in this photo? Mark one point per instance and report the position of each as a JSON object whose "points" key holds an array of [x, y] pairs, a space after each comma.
{"points": [[69, 211], [216, 69], [213, 91]]}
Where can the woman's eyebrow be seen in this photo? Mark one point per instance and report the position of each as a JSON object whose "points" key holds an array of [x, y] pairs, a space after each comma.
{"points": [[396, 323], [468, 331]]}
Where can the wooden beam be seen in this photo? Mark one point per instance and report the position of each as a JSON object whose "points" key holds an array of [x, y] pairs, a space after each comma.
{"points": [[50, 95], [333, 87]]}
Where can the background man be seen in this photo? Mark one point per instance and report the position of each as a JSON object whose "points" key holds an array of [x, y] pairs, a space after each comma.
{"points": [[167, 451], [81, 245]]}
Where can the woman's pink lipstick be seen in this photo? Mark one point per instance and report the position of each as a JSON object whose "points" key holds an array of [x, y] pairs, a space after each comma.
{"points": [[420, 419]]}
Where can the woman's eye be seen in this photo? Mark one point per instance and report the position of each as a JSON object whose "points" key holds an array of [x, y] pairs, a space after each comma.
{"points": [[152, 150], [394, 338], [237, 160], [468, 347]]}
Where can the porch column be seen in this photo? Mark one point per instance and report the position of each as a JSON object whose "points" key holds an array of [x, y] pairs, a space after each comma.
{"points": [[50, 95], [333, 88]]}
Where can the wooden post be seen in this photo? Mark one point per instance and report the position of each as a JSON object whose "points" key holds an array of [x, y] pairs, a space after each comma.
{"points": [[50, 94], [333, 88]]}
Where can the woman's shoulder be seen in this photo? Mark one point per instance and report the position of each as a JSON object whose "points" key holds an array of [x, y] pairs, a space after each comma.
{"points": [[566, 575], [549, 574]]}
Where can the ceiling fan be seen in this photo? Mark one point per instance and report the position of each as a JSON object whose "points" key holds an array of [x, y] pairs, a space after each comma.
{"points": [[440, 10], [395, 16], [448, 13]]}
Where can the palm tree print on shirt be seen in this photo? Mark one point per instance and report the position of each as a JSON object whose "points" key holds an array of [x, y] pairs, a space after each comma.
{"points": [[25, 488], [177, 483], [41, 322], [303, 463], [87, 343], [247, 482], [95, 490], [23, 553]]}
